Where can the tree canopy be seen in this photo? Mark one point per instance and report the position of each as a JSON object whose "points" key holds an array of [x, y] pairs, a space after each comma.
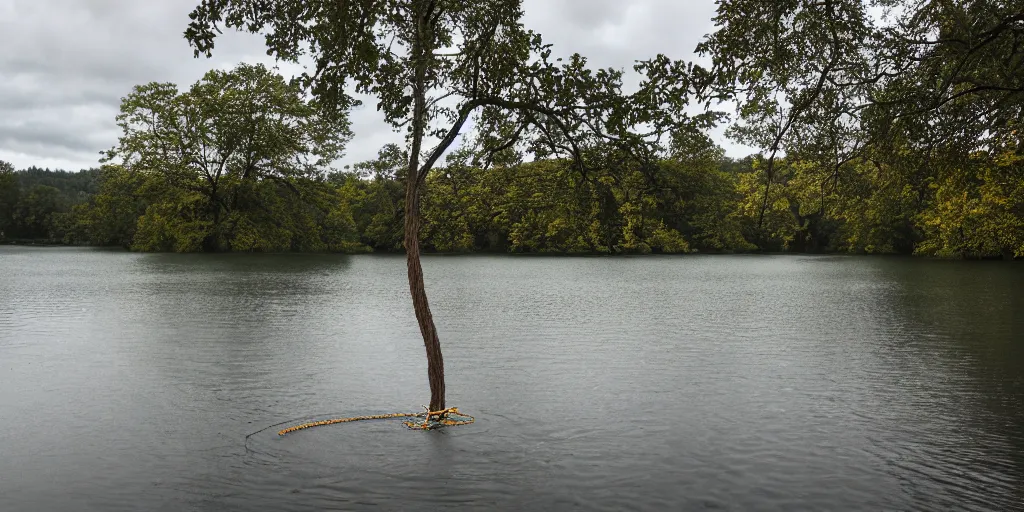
{"points": [[924, 91], [222, 158]]}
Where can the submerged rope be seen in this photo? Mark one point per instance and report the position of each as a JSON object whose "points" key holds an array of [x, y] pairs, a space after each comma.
{"points": [[444, 419]]}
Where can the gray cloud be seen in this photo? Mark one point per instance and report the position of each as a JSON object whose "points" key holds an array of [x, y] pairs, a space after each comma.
{"points": [[614, 33], [65, 64]]}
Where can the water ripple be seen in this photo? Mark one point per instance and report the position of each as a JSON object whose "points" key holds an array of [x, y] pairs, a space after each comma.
{"points": [[710, 383]]}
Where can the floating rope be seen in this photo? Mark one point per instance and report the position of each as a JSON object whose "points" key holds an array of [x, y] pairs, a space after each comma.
{"points": [[447, 418], [432, 419]]}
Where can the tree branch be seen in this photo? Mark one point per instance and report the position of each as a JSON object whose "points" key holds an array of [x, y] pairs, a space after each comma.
{"points": [[468, 109]]}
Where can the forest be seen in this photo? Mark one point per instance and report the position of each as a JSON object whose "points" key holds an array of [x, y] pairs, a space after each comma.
{"points": [[690, 203], [900, 137]]}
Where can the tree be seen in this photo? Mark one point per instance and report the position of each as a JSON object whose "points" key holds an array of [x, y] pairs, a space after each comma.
{"points": [[9, 193], [381, 216], [784, 63], [214, 145], [33, 215], [110, 217], [831, 81], [978, 209], [432, 64]]}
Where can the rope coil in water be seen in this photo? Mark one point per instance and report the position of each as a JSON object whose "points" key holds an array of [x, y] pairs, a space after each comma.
{"points": [[432, 419]]}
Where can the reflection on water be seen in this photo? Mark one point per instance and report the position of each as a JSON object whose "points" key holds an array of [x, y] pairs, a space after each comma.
{"points": [[129, 381]]}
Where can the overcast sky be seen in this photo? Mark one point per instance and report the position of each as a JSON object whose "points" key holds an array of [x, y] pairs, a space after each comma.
{"points": [[65, 64]]}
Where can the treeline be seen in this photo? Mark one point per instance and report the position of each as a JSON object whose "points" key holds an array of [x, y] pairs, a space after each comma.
{"points": [[35, 203], [242, 161], [701, 202]]}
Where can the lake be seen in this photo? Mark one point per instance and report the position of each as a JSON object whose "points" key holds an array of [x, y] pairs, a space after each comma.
{"points": [[130, 381]]}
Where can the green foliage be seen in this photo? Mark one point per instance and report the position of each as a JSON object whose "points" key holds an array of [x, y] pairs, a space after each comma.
{"points": [[767, 221], [828, 79], [9, 194], [375, 191], [477, 55], [35, 204], [978, 210], [34, 211], [898, 119], [686, 203], [875, 206], [237, 162], [111, 216], [547, 206]]}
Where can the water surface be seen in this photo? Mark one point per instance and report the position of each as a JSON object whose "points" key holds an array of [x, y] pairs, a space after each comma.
{"points": [[129, 382]]}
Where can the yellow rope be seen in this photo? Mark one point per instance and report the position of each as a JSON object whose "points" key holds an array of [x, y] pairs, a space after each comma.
{"points": [[426, 425], [443, 419]]}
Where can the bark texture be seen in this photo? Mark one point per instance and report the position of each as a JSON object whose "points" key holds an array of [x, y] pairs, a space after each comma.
{"points": [[435, 363]]}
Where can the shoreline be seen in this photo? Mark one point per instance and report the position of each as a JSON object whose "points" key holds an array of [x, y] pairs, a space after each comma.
{"points": [[53, 244]]}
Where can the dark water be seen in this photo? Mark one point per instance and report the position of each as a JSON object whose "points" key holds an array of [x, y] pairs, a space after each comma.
{"points": [[129, 382]]}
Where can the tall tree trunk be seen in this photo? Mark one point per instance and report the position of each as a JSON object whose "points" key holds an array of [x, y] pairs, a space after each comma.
{"points": [[435, 363]]}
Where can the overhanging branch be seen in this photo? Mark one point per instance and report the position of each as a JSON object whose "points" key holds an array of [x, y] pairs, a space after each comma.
{"points": [[475, 103]]}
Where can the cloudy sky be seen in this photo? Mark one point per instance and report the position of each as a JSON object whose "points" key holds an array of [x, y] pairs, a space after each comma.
{"points": [[65, 64]]}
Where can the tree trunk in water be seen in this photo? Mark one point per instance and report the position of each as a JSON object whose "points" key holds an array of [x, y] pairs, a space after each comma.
{"points": [[435, 363]]}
